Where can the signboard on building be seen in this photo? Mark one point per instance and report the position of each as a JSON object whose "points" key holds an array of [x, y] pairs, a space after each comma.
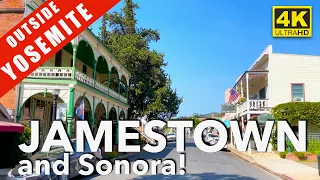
{"points": [[228, 108], [62, 111]]}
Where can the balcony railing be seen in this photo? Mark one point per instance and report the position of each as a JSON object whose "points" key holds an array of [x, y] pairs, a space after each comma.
{"points": [[52, 72], [66, 73], [253, 105]]}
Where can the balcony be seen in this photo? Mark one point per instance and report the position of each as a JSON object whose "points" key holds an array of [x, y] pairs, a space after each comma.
{"points": [[253, 106], [66, 74]]}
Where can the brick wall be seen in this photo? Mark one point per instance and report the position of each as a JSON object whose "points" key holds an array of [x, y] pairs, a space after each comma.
{"points": [[7, 22]]}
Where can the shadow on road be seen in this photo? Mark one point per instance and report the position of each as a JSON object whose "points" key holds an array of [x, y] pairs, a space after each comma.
{"points": [[196, 176]]}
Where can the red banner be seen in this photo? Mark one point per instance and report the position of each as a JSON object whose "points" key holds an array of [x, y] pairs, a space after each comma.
{"points": [[42, 34]]}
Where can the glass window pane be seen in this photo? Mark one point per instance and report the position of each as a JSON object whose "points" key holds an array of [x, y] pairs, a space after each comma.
{"points": [[297, 92]]}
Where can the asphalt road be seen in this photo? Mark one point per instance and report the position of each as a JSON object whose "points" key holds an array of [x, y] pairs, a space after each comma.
{"points": [[199, 165]]}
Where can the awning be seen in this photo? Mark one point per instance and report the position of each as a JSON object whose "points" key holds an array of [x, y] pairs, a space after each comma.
{"points": [[11, 127], [227, 123]]}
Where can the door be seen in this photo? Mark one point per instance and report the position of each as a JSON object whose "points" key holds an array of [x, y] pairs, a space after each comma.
{"points": [[262, 93]]}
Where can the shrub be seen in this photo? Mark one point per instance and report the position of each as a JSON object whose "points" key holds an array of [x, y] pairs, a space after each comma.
{"points": [[295, 111], [300, 155], [290, 145], [283, 154], [313, 147], [274, 140]]}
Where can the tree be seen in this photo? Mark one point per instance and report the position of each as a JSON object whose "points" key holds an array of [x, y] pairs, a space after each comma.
{"points": [[150, 91], [196, 121]]}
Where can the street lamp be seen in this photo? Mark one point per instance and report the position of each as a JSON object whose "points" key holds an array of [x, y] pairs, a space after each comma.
{"points": [[55, 93]]}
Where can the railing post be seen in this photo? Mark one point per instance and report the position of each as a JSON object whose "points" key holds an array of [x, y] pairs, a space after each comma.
{"points": [[70, 111], [109, 74], [94, 72], [119, 80], [74, 58]]}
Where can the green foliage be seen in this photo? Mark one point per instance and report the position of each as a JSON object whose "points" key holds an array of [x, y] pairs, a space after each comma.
{"points": [[290, 145], [313, 147], [112, 155], [167, 130], [242, 100], [300, 155], [295, 111], [283, 154], [150, 91], [196, 121], [11, 154], [274, 140]]}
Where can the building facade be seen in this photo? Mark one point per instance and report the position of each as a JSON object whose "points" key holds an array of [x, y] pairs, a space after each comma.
{"points": [[83, 72], [11, 13], [276, 78]]}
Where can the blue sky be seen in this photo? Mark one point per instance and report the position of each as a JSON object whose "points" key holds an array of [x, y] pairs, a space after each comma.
{"points": [[209, 43]]}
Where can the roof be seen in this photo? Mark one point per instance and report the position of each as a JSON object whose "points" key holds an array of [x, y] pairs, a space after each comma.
{"points": [[4, 115]]}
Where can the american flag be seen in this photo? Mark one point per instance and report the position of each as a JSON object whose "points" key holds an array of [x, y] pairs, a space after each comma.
{"points": [[233, 95]]}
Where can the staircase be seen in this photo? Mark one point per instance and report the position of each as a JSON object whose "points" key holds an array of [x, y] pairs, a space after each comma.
{"points": [[141, 131]]}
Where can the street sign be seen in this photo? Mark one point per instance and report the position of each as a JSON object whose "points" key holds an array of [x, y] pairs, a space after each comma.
{"points": [[228, 108]]}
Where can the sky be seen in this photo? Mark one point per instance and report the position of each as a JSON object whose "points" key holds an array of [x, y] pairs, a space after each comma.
{"points": [[208, 44]]}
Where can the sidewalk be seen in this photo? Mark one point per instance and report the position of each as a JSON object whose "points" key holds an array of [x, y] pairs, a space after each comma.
{"points": [[283, 168]]}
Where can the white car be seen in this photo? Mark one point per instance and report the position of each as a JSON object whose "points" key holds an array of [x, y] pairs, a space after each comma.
{"points": [[212, 139], [171, 137]]}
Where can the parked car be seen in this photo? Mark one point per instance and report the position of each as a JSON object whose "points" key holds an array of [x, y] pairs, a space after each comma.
{"points": [[54, 154], [171, 137], [212, 139]]}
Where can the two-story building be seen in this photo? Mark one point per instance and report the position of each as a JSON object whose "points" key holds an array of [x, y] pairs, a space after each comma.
{"points": [[84, 70], [276, 78]]}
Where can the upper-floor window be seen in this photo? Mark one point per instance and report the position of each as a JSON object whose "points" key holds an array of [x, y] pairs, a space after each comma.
{"points": [[297, 92]]}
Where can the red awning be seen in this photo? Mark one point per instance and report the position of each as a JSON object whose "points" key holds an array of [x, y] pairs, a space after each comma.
{"points": [[11, 127]]}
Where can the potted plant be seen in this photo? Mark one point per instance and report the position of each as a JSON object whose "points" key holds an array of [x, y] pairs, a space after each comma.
{"points": [[242, 100]]}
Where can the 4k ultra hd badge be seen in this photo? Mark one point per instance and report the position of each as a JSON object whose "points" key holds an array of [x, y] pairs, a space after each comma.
{"points": [[292, 21]]}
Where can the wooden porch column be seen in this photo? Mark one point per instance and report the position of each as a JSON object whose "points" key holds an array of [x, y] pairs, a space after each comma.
{"points": [[247, 88], [241, 86], [249, 148], [248, 107]]}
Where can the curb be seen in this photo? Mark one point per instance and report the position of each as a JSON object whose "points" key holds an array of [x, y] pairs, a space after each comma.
{"points": [[253, 162]]}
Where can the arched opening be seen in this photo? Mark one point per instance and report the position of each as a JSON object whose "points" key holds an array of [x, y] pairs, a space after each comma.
{"points": [[123, 86], [114, 79], [122, 115], [39, 107], [113, 117], [102, 71], [99, 114], [79, 115], [86, 56]]}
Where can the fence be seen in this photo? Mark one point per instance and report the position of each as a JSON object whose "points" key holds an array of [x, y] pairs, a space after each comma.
{"points": [[313, 136]]}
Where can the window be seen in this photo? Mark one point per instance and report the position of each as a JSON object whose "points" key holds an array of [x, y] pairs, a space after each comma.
{"points": [[297, 92], [84, 69], [262, 93], [58, 59]]}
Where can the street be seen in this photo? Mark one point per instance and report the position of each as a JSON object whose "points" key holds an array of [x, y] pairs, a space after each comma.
{"points": [[199, 165]]}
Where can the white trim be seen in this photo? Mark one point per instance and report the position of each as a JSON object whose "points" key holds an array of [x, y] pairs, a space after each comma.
{"points": [[266, 51]]}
